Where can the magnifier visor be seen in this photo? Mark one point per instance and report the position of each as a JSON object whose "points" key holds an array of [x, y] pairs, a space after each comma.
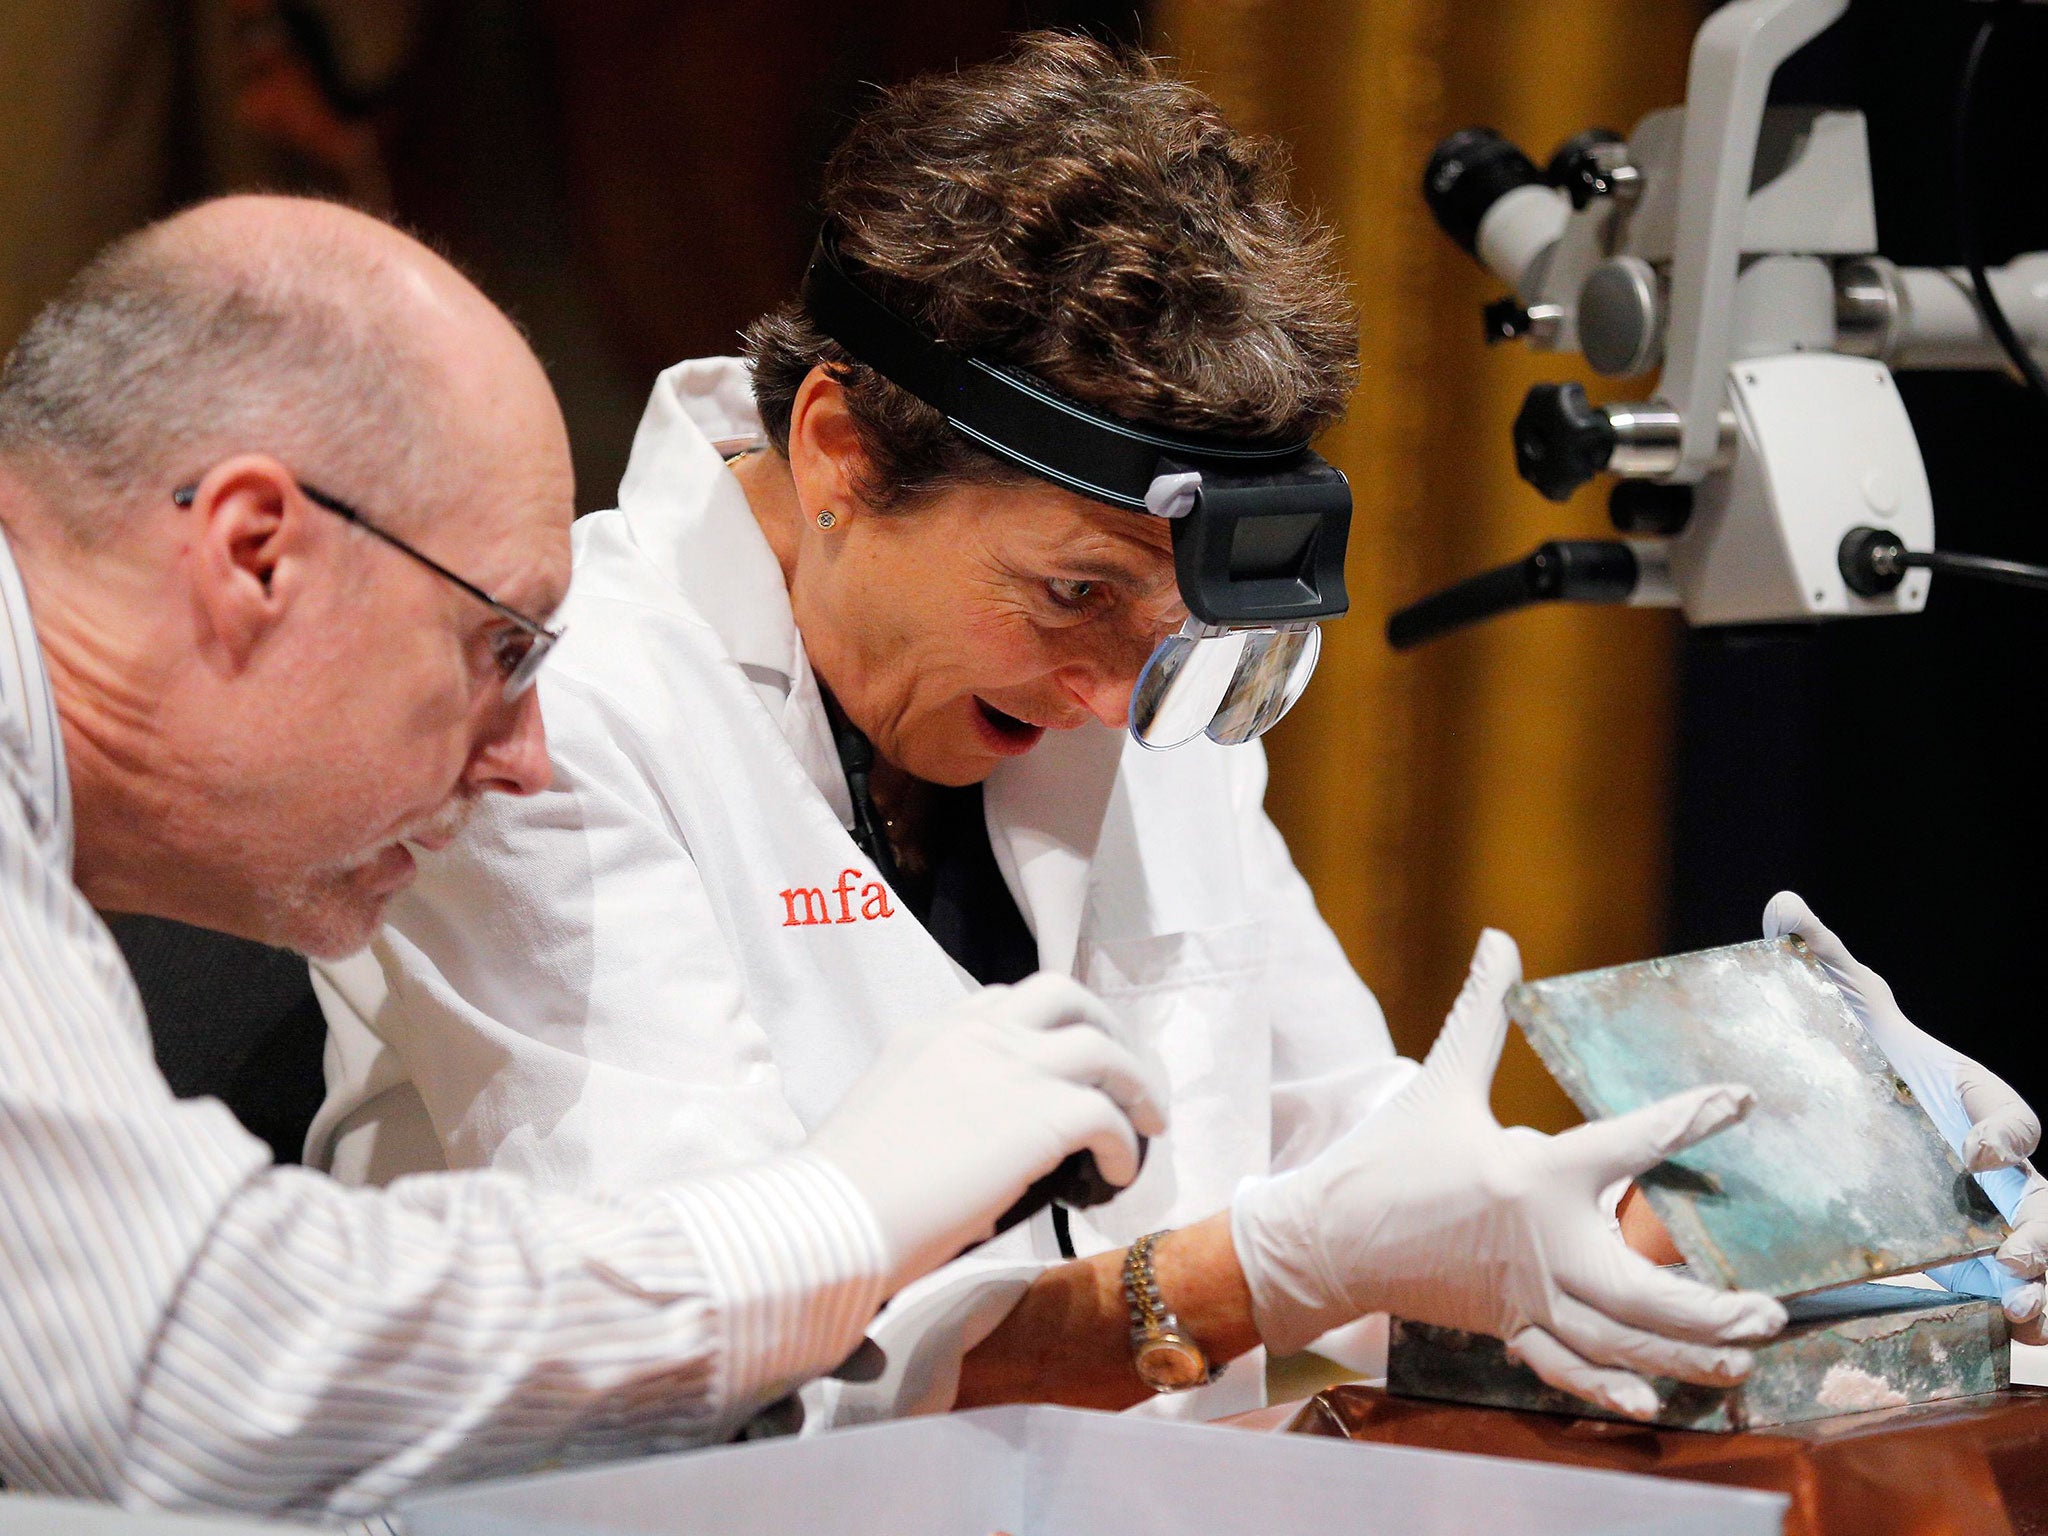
{"points": [[1228, 684]]}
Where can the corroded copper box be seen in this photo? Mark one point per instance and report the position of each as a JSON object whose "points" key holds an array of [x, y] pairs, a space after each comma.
{"points": [[1837, 1177], [1850, 1350]]}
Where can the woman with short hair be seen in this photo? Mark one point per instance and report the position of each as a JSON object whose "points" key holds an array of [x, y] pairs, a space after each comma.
{"points": [[839, 732]]}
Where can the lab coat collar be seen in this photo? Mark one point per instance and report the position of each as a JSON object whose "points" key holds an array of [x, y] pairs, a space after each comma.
{"points": [[688, 515]]}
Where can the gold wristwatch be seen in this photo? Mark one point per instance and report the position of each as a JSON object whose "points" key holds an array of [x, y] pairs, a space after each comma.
{"points": [[1166, 1359]]}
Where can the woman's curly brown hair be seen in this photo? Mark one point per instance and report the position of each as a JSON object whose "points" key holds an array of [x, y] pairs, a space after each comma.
{"points": [[1072, 210]]}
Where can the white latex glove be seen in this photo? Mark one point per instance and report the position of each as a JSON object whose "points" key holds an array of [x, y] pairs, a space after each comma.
{"points": [[962, 1112], [1432, 1211], [1990, 1126]]}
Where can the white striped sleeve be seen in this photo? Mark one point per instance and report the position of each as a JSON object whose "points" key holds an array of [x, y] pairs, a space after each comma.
{"points": [[182, 1324]]}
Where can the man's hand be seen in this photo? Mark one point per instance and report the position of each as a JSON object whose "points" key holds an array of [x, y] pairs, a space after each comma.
{"points": [[1990, 1126], [963, 1111], [1432, 1211]]}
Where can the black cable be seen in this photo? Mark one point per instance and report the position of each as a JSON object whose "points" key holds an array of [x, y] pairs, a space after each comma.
{"points": [[1966, 207], [2016, 573], [1873, 561], [857, 759]]}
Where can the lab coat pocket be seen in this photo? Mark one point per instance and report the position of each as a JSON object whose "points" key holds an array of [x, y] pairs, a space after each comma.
{"points": [[1195, 1002]]}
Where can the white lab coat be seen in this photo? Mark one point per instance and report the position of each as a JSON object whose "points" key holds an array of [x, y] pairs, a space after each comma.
{"points": [[613, 982]]}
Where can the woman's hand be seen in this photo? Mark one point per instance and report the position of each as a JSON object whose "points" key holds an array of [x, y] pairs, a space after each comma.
{"points": [[1432, 1211], [1990, 1126], [961, 1111]]}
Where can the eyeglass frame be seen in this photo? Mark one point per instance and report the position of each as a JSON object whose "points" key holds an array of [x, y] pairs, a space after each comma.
{"points": [[523, 672]]}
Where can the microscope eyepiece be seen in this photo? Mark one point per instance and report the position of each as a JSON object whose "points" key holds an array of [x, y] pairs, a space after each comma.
{"points": [[1469, 172]]}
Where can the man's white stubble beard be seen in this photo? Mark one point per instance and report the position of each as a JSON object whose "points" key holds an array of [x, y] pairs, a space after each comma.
{"points": [[325, 918], [447, 822]]}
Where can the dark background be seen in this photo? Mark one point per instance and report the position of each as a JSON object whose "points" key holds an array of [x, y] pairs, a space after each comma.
{"points": [[1889, 770]]}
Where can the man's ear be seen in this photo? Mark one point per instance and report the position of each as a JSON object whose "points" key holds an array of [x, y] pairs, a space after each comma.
{"points": [[246, 539], [825, 457]]}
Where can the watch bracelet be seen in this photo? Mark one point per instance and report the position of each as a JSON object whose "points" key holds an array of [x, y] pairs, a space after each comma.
{"points": [[1151, 1318]]}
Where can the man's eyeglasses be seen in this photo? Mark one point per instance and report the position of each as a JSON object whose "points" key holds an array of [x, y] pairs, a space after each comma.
{"points": [[518, 652]]}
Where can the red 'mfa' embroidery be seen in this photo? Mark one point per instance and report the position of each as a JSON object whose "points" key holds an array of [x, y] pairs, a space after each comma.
{"points": [[804, 906]]}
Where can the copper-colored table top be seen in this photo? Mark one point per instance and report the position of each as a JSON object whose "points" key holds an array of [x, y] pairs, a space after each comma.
{"points": [[1973, 1467]]}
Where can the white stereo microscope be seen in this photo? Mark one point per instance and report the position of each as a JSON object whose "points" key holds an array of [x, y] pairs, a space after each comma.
{"points": [[1773, 475]]}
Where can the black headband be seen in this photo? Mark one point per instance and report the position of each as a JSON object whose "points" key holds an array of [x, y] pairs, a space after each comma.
{"points": [[1007, 411]]}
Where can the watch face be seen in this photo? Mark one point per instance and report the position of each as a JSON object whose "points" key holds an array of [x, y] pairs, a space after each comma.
{"points": [[1168, 1363]]}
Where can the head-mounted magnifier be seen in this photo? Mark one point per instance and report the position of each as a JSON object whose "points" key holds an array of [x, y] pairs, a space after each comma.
{"points": [[1258, 532]]}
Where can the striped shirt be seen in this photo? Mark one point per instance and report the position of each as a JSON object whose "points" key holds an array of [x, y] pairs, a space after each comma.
{"points": [[183, 1324]]}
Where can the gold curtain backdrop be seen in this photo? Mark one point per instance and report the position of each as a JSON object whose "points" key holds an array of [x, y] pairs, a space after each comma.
{"points": [[1517, 775]]}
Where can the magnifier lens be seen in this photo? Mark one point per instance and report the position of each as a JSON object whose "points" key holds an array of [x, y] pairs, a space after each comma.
{"points": [[1275, 667], [1183, 686]]}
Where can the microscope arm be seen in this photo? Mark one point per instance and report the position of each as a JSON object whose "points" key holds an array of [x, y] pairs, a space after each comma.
{"points": [[1927, 318], [1737, 51]]}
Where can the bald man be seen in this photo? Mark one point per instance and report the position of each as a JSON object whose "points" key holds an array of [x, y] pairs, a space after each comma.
{"points": [[285, 506]]}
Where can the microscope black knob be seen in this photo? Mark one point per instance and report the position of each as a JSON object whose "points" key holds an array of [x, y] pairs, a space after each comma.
{"points": [[1503, 320], [1577, 168], [1562, 439]]}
